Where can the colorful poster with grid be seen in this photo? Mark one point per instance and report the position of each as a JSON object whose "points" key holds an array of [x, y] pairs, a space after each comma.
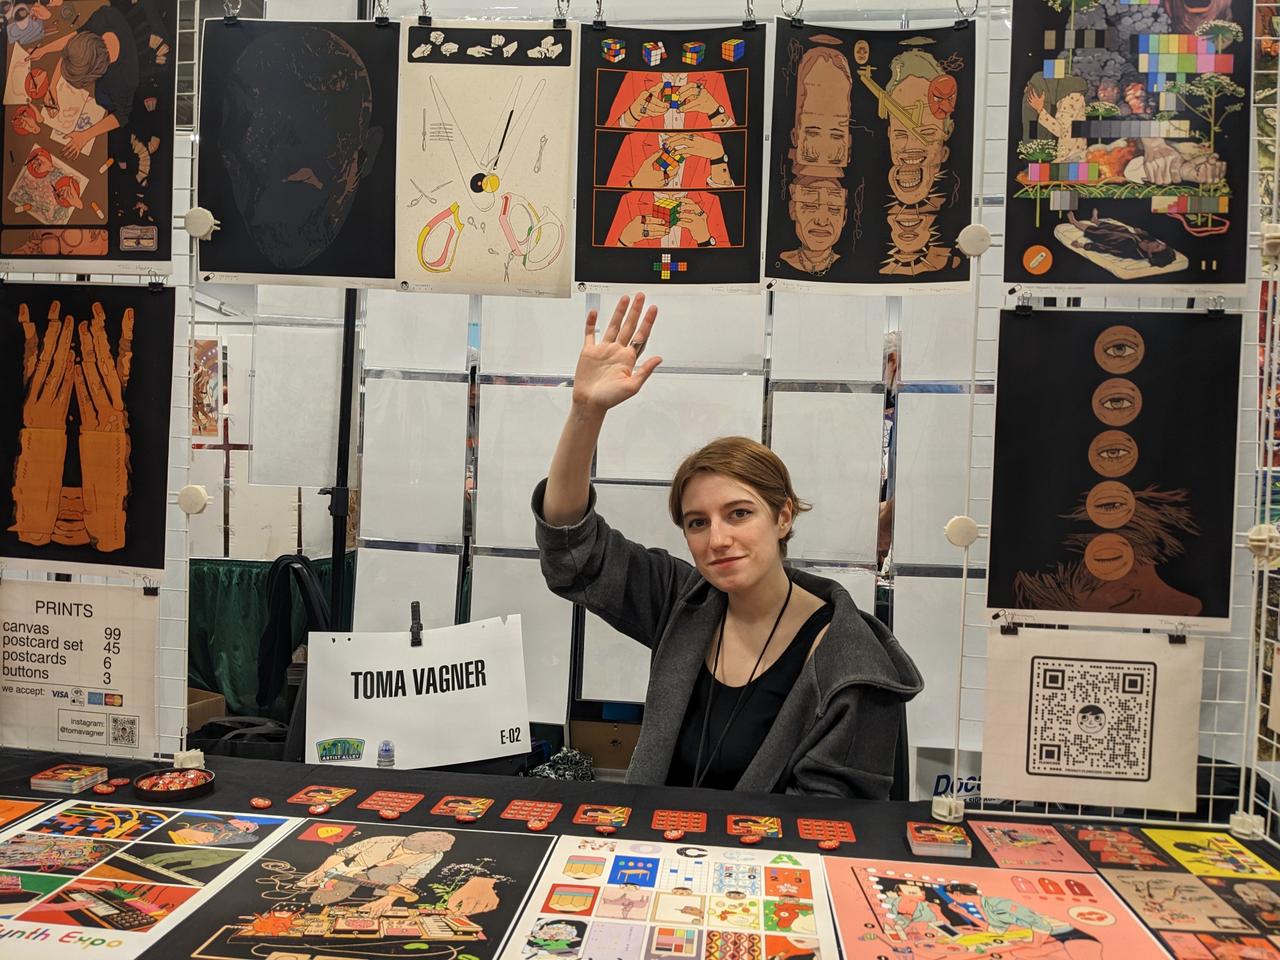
{"points": [[640, 900]]}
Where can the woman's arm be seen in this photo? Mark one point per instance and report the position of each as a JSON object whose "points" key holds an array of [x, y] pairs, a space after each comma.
{"points": [[605, 376]]}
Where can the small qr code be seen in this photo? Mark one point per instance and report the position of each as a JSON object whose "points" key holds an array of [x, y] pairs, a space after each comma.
{"points": [[124, 731], [1091, 718]]}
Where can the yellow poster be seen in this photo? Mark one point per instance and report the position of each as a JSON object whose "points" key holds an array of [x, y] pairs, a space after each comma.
{"points": [[1212, 854]]}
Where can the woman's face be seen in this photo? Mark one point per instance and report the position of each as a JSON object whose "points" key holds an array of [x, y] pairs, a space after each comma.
{"points": [[732, 534]]}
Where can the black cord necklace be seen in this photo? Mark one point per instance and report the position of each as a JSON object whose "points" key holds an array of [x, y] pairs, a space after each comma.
{"points": [[739, 703]]}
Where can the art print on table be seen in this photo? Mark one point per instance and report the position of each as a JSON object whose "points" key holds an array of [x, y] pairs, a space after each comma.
{"points": [[1210, 853], [1100, 514], [485, 184], [871, 160], [1035, 845], [86, 376], [1175, 901], [378, 890], [1113, 724], [669, 134], [88, 136], [1128, 145], [1219, 946], [886, 908], [1256, 900], [297, 153], [1116, 846]]}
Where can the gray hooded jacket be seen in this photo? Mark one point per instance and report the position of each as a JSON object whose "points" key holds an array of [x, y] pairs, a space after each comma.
{"points": [[837, 731]]}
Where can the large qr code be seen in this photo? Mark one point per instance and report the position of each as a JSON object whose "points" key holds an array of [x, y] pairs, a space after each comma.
{"points": [[1091, 718], [124, 731]]}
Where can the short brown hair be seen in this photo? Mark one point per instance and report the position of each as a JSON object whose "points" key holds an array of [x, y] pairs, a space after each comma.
{"points": [[85, 59], [748, 462]]}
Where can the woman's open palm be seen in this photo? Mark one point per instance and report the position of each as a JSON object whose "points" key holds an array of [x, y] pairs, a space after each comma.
{"points": [[607, 371]]}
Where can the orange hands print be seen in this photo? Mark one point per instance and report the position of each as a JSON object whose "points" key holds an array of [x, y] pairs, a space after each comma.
{"points": [[43, 509]]}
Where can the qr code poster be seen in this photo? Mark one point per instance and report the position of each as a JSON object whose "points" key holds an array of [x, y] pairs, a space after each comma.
{"points": [[1084, 717], [1091, 718]]}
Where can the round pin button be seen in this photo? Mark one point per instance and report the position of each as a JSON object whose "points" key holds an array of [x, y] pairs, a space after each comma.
{"points": [[389, 814], [103, 788], [318, 809], [828, 844], [750, 839], [118, 781], [465, 818], [259, 803], [537, 826], [673, 834], [606, 829]]}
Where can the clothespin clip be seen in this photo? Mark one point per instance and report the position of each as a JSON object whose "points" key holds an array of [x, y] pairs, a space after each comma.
{"points": [[424, 18], [230, 12], [150, 588], [415, 624]]}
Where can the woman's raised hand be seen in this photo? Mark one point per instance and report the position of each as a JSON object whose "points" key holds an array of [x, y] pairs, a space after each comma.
{"points": [[607, 370]]}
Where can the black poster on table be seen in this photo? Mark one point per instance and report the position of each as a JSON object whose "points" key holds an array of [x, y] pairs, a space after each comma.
{"points": [[336, 889], [1128, 144], [86, 378], [872, 155], [88, 136], [298, 150], [1113, 499], [670, 125]]}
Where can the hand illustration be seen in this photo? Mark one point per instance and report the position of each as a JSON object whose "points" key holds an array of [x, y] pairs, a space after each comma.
{"points": [[1162, 163], [695, 145], [100, 383], [477, 895], [651, 176], [607, 373], [648, 104], [643, 228], [1035, 100], [694, 219], [42, 448], [694, 98], [76, 140]]}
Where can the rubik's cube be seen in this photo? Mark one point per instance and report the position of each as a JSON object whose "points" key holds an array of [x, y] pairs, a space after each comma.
{"points": [[669, 96], [668, 208], [667, 159], [693, 52], [733, 50], [613, 49], [664, 267], [653, 53]]}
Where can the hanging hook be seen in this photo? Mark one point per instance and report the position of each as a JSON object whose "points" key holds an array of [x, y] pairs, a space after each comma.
{"points": [[599, 9], [966, 16], [424, 18], [787, 13], [231, 8], [562, 9], [751, 10], [380, 11]]}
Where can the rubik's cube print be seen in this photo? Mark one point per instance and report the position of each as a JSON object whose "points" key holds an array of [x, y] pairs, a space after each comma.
{"points": [[733, 50], [665, 267], [613, 49], [693, 52], [667, 160], [653, 53], [669, 95], [668, 208]]}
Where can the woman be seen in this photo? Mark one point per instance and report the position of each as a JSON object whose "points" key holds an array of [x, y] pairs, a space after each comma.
{"points": [[761, 678]]}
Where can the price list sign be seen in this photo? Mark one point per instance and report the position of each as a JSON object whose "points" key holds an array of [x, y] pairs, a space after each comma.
{"points": [[77, 668]]}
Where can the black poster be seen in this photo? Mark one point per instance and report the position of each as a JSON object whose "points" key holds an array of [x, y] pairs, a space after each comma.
{"points": [[670, 124], [1128, 144], [85, 390], [298, 149], [872, 155], [1115, 467], [88, 136], [335, 889]]}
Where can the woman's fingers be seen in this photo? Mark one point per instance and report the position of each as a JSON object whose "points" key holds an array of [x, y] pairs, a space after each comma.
{"points": [[643, 372], [589, 338], [632, 321], [615, 322]]}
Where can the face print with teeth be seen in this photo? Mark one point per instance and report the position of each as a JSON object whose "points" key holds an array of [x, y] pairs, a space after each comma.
{"points": [[917, 138]]}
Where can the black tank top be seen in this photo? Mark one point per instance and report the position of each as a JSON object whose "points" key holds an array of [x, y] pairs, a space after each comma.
{"points": [[761, 701]]}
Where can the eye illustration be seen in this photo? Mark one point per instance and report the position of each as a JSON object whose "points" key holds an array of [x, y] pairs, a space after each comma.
{"points": [[1110, 504], [1119, 349], [1113, 453], [1117, 401], [1108, 556]]}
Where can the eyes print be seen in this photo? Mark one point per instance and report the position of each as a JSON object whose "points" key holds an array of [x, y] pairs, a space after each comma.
{"points": [[1108, 556], [1117, 401], [1110, 504], [1113, 453], [1119, 349]]}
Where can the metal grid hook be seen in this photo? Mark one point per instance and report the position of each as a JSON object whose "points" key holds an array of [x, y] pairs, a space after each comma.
{"points": [[599, 9], [380, 9], [231, 8]]}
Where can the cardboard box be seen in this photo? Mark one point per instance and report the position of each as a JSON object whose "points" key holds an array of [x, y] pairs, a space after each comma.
{"points": [[609, 745], [203, 706]]}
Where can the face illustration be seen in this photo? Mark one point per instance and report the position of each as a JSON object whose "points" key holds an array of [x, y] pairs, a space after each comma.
{"points": [[40, 163], [297, 140], [731, 532], [1119, 349], [1117, 401], [1108, 556], [1188, 16], [910, 228], [1110, 504], [821, 132], [1113, 453], [819, 212], [917, 150]]}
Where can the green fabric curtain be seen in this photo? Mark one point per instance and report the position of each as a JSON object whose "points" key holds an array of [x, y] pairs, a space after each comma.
{"points": [[227, 614]]}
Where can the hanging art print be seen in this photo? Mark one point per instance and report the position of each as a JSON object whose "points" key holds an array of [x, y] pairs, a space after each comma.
{"points": [[88, 136], [1128, 145], [872, 157], [86, 377], [485, 192], [297, 152], [1115, 469], [669, 141]]}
